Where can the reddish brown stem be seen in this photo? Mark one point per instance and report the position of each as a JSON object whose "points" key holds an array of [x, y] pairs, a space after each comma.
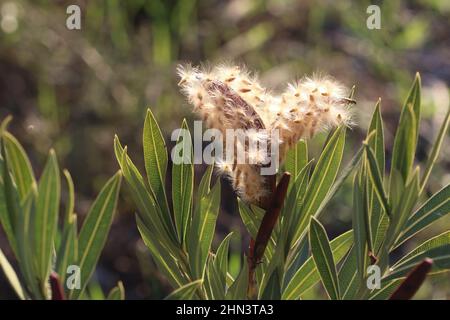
{"points": [[56, 287], [413, 281], [258, 246]]}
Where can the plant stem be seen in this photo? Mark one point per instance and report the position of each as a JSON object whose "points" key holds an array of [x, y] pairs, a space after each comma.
{"points": [[258, 246]]}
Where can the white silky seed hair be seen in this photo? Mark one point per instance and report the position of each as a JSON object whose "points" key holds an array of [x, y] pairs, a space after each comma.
{"points": [[230, 97]]}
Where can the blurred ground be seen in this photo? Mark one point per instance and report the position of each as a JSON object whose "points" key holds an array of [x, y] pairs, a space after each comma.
{"points": [[74, 89]]}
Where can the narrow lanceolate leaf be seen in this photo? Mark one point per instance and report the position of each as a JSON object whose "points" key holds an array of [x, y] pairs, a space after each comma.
{"points": [[155, 158], [20, 218], [307, 275], [377, 143], [341, 179], [322, 179], [68, 249], [117, 293], [205, 182], [95, 229], [238, 290], [435, 208], [323, 258], [252, 217], [182, 181], [46, 218], [440, 240], [385, 292], [149, 211], [293, 202], [435, 151], [440, 256], [359, 223], [70, 204], [202, 230], [7, 217], [19, 164], [406, 136], [186, 292], [272, 290], [403, 210], [296, 158], [377, 179], [349, 281], [24, 232], [11, 276], [165, 261], [221, 260], [215, 282], [218, 269], [378, 219]]}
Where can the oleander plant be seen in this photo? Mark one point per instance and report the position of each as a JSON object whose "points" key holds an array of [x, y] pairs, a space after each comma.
{"points": [[55, 260], [290, 251]]}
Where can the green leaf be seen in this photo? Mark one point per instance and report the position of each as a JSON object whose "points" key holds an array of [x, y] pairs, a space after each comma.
{"points": [[155, 158], [296, 158], [307, 274], [183, 182], [252, 217], [238, 290], [19, 164], [117, 293], [323, 258], [385, 292], [437, 241], [440, 256], [378, 218], [95, 229], [71, 196], [167, 263], [201, 231], [203, 188], [349, 282], [186, 292], [272, 290], [377, 143], [405, 140], [7, 217], [359, 223], [221, 260], [377, 179], [46, 218], [19, 217], [11, 276], [68, 249], [149, 211], [215, 282], [403, 210], [24, 236], [321, 180], [292, 204], [435, 151], [435, 208]]}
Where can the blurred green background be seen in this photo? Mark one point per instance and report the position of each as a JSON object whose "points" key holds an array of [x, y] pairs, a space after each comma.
{"points": [[74, 89]]}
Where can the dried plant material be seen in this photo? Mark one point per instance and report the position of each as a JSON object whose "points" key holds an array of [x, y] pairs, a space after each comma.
{"points": [[230, 97]]}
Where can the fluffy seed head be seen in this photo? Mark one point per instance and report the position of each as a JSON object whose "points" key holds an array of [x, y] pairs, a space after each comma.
{"points": [[230, 97]]}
